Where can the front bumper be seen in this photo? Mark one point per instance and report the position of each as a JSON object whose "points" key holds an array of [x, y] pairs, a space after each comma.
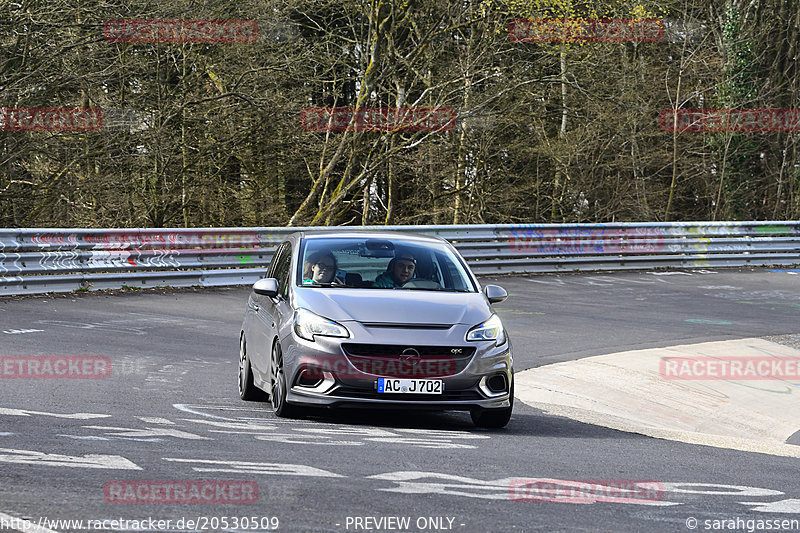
{"points": [[340, 383]]}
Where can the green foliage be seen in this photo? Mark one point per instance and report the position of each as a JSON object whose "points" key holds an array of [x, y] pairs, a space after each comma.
{"points": [[738, 86], [545, 131]]}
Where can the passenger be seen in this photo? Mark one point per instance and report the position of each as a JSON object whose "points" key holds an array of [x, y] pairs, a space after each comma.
{"points": [[320, 267], [399, 272]]}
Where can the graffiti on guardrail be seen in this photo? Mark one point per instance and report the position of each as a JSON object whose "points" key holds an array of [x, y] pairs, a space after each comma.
{"points": [[153, 258], [146, 249], [153, 240], [58, 240], [734, 229], [772, 229], [585, 240], [221, 256], [175, 240]]}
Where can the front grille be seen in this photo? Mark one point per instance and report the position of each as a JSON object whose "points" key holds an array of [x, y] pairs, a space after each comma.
{"points": [[404, 361], [388, 325], [345, 392]]}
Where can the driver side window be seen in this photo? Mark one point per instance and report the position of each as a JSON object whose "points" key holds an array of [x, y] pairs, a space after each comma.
{"points": [[281, 270]]}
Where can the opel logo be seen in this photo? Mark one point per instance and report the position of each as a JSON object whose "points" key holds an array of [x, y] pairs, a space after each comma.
{"points": [[410, 355]]}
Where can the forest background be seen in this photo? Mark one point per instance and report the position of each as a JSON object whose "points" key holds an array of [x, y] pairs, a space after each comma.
{"points": [[210, 134]]}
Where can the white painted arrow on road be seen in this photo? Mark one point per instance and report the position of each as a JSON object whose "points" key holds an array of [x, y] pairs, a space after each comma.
{"points": [[248, 467], [416, 482], [26, 412], [30, 457], [781, 506], [148, 432]]}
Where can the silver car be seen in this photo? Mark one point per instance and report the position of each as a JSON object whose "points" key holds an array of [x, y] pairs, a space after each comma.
{"points": [[346, 319]]}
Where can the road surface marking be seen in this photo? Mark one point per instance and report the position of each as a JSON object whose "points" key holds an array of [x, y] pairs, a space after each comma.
{"points": [[30, 457], [245, 467], [148, 432], [26, 412], [782, 506], [156, 420]]}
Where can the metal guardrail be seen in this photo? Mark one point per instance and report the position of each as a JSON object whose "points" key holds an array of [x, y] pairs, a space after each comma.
{"points": [[63, 260]]}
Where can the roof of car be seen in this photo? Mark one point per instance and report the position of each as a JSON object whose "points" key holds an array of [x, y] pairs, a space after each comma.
{"points": [[315, 234]]}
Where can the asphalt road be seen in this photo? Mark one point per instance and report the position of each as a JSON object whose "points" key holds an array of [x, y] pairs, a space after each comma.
{"points": [[170, 411]]}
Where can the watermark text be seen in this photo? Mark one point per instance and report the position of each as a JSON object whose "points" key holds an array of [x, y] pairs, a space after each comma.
{"points": [[138, 31], [732, 368], [549, 30], [55, 366], [378, 119], [584, 491], [730, 120], [180, 492], [50, 119]]}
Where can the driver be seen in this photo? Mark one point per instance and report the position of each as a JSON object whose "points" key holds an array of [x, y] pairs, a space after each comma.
{"points": [[398, 273], [320, 267]]}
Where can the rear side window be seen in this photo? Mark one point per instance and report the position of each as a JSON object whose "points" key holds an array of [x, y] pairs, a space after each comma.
{"points": [[275, 258], [280, 268]]}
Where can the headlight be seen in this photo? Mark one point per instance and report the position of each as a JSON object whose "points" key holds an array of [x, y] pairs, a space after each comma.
{"points": [[491, 330], [308, 324]]}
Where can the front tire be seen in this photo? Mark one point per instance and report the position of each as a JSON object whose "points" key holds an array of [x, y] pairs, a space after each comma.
{"points": [[278, 385], [494, 418], [247, 389]]}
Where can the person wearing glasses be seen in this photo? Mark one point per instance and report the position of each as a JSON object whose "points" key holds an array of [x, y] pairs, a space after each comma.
{"points": [[399, 272], [320, 268]]}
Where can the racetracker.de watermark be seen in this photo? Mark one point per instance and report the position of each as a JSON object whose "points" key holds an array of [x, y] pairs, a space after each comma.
{"points": [[55, 367], [50, 118], [65, 119], [408, 365], [181, 492], [378, 119], [730, 120], [549, 30], [729, 368], [584, 491], [139, 31], [535, 239]]}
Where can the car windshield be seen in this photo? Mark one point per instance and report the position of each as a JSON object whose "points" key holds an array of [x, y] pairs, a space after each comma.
{"points": [[374, 263]]}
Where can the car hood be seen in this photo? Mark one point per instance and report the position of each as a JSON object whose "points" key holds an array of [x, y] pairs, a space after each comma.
{"points": [[388, 306]]}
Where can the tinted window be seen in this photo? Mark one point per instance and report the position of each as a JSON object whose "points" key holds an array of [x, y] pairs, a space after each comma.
{"points": [[275, 259], [282, 266]]}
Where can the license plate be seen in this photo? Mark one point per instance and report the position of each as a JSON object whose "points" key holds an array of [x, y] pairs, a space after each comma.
{"points": [[410, 386]]}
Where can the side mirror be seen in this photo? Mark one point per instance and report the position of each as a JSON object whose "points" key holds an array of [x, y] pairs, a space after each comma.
{"points": [[266, 287], [495, 293]]}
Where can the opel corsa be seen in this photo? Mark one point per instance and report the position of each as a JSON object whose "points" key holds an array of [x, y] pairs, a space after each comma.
{"points": [[371, 320]]}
